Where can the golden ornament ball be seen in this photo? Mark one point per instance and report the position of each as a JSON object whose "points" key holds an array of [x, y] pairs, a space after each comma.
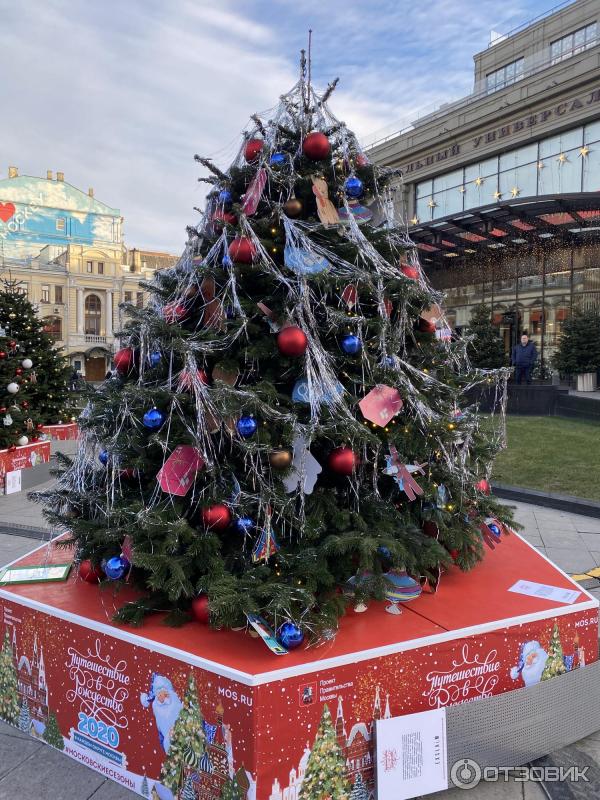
{"points": [[293, 207], [280, 459]]}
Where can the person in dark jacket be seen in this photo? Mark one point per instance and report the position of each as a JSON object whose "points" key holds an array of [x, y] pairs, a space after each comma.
{"points": [[524, 356]]}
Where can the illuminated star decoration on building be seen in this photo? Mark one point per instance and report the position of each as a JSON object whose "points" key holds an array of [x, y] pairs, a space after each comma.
{"points": [[462, 189], [562, 158], [583, 151], [432, 203], [497, 195], [414, 221], [402, 474], [478, 181], [540, 165], [515, 191]]}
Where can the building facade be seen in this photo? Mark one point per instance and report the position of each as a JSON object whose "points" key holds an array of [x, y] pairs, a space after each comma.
{"points": [[65, 249], [501, 188]]}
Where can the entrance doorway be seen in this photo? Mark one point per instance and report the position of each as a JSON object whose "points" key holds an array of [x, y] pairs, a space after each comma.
{"points": [[95, 368]]}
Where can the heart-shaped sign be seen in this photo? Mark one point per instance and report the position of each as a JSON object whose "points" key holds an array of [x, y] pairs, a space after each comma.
{"points": [[6, 211]]}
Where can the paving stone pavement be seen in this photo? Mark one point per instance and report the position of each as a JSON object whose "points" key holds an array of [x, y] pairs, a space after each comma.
{"points": [[29, 768]]}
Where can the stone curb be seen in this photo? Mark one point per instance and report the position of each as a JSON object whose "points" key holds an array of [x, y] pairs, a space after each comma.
{"points": [[562, 502]]}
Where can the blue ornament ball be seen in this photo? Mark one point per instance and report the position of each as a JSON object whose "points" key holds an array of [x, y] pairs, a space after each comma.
{"points": [[353, 187], [246, 426], [290, 635], [153, 419], [351, 344], [116, 567], [495, 529], [154, 359], [226, 261], [103, 457], [244, 525], [384, 552], [277, 159], [225, 197]]}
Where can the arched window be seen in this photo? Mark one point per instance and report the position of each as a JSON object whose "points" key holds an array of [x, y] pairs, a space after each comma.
{"points": [[53, 327], [93, 312]]}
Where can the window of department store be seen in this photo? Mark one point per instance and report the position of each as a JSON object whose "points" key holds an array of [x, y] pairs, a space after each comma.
{"points": [[574, 43], [504, 76], [534, 292], [567, 162]]}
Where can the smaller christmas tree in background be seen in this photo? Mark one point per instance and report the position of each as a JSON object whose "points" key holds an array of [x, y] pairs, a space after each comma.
{"points": [[485, 349], [52, 734], [9, 696], [188, 792], [187, 741], [231, 790], [24, 717], [579, 348], [325, 775], [555, 664], [144, 788], [359, 790], [33, 373]]}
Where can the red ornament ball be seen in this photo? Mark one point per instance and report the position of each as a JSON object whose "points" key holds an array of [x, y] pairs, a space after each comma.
{"points": [[124, 360], [426, 325], [453, 554], [201, 609], [18, 371], [12, 344], [127, 474], [217, 517], [25, 405], [409, 271], [253, 149], [316, 146], [343, 461], [174, 312], [3, 410], [242, 250], [2, 354], [483, 486], [292, 341], [89, 573], [39, 426], [362, 160], [220, 217], [186, 380]]}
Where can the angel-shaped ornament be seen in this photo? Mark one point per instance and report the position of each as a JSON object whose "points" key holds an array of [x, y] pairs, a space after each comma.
{"points": [[325, 209]]}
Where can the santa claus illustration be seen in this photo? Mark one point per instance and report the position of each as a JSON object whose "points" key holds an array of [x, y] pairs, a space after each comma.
{"points": [[532, 660], [166, 706]]}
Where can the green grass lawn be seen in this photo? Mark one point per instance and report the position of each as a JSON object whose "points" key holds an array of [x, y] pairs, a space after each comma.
{"points": [[552, 454]]}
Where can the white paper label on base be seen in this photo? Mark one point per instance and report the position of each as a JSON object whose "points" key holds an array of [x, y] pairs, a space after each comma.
{"points": [[13, 481], [545, 592], [411, 755]]}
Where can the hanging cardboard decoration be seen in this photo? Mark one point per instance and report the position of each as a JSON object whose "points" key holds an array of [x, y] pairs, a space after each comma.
{"points": [[325, 208], [254, 192], [381, 404]]}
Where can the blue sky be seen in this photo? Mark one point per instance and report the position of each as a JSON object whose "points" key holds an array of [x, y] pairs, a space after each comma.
{"points": [[119, 95]]}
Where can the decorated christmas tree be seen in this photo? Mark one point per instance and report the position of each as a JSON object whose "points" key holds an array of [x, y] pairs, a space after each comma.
{"points": [[579, 347], [555, 664], [24, 717], [325, 775], [188, 792], [359, 790], [485, 347], [9, 697], [231, 790], [290, 415], [52, 734], [33, 374], [187, 740], [144, 788]]}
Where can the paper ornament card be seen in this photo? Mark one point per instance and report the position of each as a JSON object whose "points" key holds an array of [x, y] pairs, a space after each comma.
{"points": [[381, 404], [179, 470]]}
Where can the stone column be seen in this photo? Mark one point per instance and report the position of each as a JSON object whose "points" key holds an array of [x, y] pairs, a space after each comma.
{"points": [[109, 313], [80, 311]]}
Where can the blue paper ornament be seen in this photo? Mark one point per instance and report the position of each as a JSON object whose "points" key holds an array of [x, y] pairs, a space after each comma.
{"points": [[154, 359], [277, 159], [246, 426], [153, 419], [301, 394], [103, 457], [351, 344], [244, 525], [302, 262], [116, 567], [353, 187], [290, 635], [225, 197]]}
